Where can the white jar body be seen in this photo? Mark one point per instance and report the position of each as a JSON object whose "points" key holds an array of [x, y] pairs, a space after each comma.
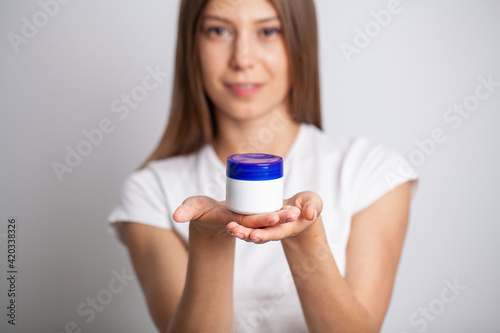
{"points": [[254, 196]]}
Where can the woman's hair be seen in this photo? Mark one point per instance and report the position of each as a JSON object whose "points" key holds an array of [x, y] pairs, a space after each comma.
{"points": [[192, 121]]}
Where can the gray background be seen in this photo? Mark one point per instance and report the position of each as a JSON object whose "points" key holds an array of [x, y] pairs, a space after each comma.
{"points": [[395, 91]]}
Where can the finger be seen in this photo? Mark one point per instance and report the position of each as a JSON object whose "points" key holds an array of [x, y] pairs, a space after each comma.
{"points": [[309, 202], [251, 221], [258, 220], [182, 214], [309, 212], [274, 233], [191, 209], [239, 231], [261, 235], [286, 214]]}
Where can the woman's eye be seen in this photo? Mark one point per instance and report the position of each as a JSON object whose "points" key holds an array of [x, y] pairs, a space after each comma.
{"points": [[218, 31], [267, 32]]}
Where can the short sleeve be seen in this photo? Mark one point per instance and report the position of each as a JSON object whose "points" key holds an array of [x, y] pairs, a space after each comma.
{"points": [[374, 171], [142, 201]]}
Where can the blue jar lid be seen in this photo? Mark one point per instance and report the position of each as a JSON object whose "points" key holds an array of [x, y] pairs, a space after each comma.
{"points": [[254, 166]]}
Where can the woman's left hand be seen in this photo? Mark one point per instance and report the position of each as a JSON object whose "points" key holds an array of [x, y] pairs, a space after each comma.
{"points": [[309, 203]]}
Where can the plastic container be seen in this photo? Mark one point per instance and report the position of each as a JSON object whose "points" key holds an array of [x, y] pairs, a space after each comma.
{"points": [[254, 183]]}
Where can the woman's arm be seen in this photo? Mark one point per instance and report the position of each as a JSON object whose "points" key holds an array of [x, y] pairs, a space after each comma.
{"points": [[331, 303], [359, 302], [162, 263], [192, 291], [207, 301]]}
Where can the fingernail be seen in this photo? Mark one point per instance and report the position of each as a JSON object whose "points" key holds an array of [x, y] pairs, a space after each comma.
{"points": [[273, 222], [290, 220], [255, 239], [230, 232], [240, 236], [315, 214]]}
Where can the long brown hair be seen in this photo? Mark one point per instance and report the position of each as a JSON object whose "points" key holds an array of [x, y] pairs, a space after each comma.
{"points": [[192, 123]]}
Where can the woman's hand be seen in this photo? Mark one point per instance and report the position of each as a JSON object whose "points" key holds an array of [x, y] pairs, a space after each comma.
{"points": [[211, 216], [309, 204]]}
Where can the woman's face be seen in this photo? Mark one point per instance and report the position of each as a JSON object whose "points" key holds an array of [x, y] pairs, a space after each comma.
{"points": [[243, 58]]}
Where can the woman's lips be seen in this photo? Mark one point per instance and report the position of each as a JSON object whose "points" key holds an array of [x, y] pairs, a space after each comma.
{"points": [[244, 89]]}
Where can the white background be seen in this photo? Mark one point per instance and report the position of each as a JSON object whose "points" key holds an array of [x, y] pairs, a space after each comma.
{"points": [[395, 91]]}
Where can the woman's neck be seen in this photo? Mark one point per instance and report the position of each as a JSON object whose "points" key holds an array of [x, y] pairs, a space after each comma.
{"points": [[273, 133]]}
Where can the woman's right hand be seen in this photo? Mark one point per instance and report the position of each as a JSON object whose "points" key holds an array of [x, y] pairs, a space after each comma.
{"points": [[211, 216]]}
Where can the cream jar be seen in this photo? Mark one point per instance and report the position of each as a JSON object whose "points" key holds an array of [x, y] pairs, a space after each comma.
{"points": [[254, 183]]}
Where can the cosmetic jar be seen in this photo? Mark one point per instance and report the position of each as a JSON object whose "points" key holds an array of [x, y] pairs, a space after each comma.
{"points": [[254, 183]]}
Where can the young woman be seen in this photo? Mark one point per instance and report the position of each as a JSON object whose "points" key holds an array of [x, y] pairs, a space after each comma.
{"points": [[246, 80]]}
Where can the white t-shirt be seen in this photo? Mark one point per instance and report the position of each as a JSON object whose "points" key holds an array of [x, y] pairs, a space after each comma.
{"points": [[348, 174]]}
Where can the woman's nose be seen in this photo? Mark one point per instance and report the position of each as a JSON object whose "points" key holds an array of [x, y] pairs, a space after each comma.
{"points": [[243, 56]]}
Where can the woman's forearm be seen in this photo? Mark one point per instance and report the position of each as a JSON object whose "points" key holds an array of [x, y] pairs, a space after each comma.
{"points": [[207, 301], [327, 301]]}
